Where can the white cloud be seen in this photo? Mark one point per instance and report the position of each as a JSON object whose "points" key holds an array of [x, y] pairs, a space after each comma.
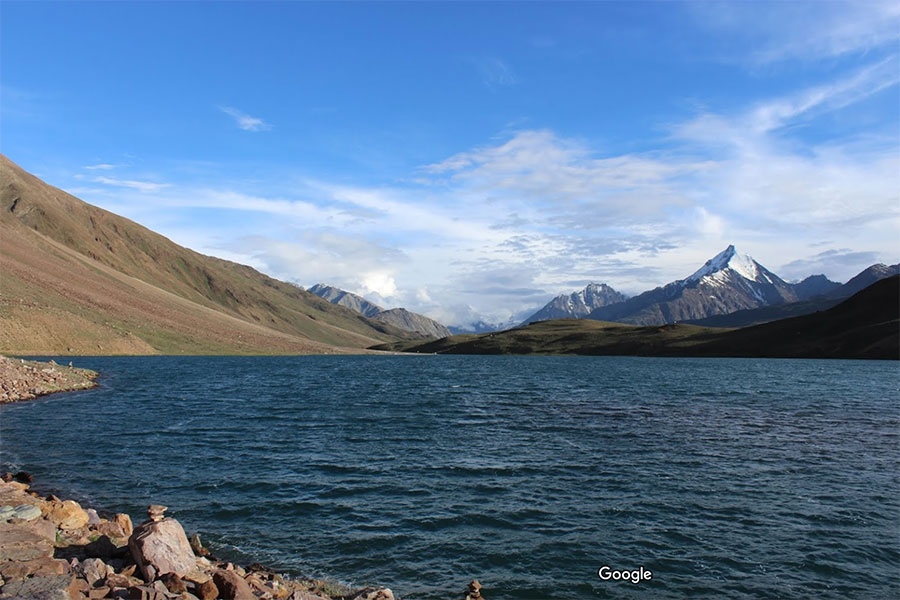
{"points": [[499, 229], [142, 186], [100, 167], [245, 121]]}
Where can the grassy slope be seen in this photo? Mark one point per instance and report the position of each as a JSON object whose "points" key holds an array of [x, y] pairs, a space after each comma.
{"points": [[75, 278], [864, 326], [569, 336]]}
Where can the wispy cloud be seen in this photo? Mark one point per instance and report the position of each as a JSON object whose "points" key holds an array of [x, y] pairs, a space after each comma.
{"points": [[496, 73], [141, 186], [245, 121], [100, 167], [803, 30], [829, 261]]}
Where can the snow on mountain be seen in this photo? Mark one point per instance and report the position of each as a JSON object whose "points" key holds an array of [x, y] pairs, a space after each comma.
{"points": [[578, 304], [728, 282]]}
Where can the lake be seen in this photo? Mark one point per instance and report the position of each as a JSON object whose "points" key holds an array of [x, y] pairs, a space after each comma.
{"points": [[725, 478]]}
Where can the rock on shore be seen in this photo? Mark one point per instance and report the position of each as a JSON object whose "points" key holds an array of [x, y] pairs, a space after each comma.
{"points": [[55, 549], [27, 379]]}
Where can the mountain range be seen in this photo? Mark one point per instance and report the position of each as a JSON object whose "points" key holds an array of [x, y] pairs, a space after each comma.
{"points": [[77, 279], [396, 317], [729, 290], [866, 325]]}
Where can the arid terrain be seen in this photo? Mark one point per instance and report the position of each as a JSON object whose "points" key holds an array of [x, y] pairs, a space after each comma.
{"points": [[77, 279]]}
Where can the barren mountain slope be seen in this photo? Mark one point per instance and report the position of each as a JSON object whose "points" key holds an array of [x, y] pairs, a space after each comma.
{"points": [[70, 269]]}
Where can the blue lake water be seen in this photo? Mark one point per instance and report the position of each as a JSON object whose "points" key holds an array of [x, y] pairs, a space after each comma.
{"points": [[726, 478]]}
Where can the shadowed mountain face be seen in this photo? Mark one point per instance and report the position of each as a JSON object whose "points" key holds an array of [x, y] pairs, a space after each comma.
{"points": [[79, 279], [728, 282], [400, 318], [816, 285], [866, 325], [865, 279], [577, 304]]}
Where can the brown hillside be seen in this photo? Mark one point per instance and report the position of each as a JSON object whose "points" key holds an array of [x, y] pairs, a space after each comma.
{"points": [[75, 278]]}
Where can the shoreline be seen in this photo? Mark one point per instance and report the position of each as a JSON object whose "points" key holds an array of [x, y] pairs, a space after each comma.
{"points": [[56, 548], [22, 380], [53, 548]]}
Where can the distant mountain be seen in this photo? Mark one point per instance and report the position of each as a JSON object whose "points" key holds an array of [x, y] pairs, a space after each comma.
{"points": [[482, 327], [833, 294], [815, 285], [865, 279], [348, 299], [395, 317], [726, 283], [410, 321], [577, 304], [864, 326]]}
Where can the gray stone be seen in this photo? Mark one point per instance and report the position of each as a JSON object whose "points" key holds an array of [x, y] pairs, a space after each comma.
{"points": [[27, 512], [7, 512], [54, 587], [93, 570]]}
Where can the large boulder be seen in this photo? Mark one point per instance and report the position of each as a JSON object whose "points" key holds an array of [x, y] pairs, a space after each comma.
{"points": [[159, 547]]}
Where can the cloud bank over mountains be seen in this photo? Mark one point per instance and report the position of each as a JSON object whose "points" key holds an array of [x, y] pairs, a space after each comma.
{"points": [[503, 226], [479, 177]]}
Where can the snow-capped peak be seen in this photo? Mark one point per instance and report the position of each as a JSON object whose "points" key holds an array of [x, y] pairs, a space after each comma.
{"points": [[729, 258]]}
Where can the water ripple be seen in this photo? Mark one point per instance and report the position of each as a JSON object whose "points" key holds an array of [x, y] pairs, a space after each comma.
{"points": [[741, 479]]}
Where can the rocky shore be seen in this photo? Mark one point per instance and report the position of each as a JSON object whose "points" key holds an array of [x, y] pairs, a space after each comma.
{"points": [[52, 549], [26, 379]]}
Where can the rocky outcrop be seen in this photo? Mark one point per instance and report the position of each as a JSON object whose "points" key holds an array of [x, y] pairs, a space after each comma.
{"points": [[39, 560], [26, 379]]}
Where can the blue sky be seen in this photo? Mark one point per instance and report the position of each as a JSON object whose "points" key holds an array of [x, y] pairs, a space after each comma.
{"points": [[471, 160]]}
